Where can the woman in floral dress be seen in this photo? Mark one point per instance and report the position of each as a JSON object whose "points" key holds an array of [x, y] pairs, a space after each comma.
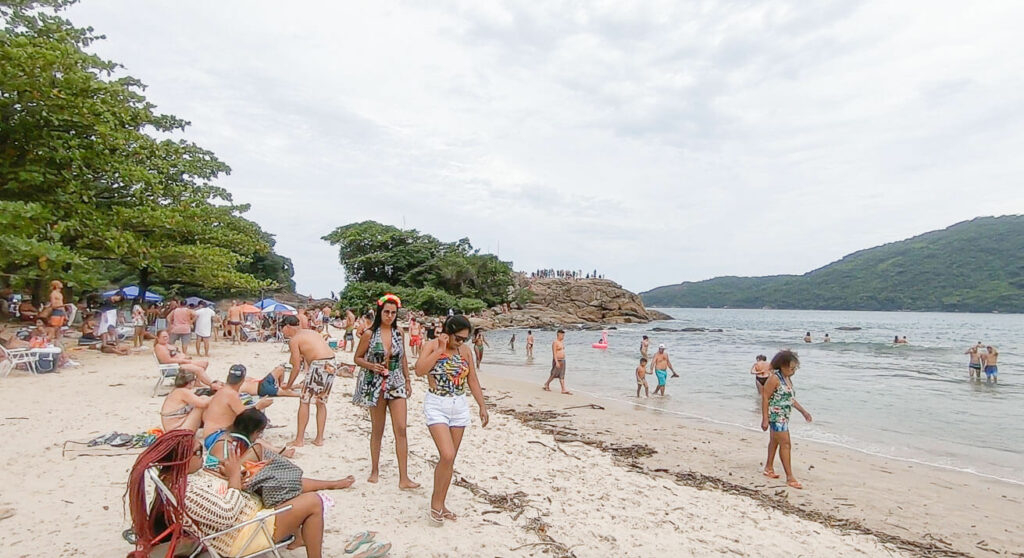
{"points": [[777, 401], [383, 385]]}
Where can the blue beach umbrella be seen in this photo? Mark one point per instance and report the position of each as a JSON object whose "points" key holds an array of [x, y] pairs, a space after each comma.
{"points": [[277, 308], [131, 292]]}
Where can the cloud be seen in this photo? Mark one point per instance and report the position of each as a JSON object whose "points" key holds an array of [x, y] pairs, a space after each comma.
{"points": [[656, 141]]}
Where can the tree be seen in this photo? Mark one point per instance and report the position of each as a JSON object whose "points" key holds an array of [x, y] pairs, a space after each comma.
{"points": [[83, 151], [426, 273]]}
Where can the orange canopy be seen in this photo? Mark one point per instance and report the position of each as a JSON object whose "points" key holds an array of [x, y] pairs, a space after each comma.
{"points": [[250, 309]]}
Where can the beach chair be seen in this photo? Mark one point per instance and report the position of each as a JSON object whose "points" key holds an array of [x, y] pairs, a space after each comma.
{"points": [[250, 336], [17, 357], [165, 372], [203, 548]]}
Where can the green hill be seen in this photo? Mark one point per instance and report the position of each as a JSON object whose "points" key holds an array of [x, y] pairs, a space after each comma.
{"points": [[973, 266]]}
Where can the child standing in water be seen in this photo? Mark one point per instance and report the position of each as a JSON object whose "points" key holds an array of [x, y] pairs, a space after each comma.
{"points": [[777, 402], [641, 380]]}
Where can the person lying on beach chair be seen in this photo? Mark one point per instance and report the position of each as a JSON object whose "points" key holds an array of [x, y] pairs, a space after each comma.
{"points": [[194, 501], [168, 354], [109, 343], [226, 405], [182, 408]]}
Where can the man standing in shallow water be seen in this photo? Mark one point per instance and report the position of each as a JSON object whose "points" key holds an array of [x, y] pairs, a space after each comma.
{"points": [[661, 366], [558, 363]]}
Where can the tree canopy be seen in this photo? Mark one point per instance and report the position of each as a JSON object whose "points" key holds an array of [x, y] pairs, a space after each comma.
{"points": [[973, 266], [426, 273], [94, 182]]}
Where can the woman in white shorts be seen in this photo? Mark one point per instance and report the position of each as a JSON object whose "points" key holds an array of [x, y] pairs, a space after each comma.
{"points": [[449, 363]]}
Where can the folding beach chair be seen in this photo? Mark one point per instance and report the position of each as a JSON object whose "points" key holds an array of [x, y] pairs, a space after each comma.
{"points": [[14, 358], [165, 372], [177, 531]]}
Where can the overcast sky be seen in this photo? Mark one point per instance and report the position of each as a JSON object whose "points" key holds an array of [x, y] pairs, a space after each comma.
{"points": [[657, 142]]}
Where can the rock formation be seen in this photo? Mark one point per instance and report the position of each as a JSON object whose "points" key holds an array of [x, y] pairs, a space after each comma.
{"points": [[570, 303]]}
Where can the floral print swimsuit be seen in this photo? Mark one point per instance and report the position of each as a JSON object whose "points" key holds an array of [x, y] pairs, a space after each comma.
{"points": [[450, 373], [780, 405], [371, 385]]}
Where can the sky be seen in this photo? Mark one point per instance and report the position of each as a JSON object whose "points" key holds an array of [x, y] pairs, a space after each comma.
{"points": [[656, 142]]}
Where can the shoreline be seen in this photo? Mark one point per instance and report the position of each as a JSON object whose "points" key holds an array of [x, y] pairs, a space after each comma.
{"points": [[898, 497], [517, 491]]}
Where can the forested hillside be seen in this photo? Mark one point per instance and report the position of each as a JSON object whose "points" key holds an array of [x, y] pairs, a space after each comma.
{"points": [[973, 266]]}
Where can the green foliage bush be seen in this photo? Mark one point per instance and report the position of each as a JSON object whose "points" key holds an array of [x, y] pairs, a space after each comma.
{"points": [[433, 275]]}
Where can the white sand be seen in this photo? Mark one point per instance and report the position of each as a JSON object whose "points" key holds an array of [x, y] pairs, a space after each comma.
{"points": [[72, 506]]}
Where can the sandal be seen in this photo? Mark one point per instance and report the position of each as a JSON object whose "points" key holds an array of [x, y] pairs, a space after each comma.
{"points": [[436, 516], [770, 474], [377, 550], [449, 515], [795, 484], [359, 540]]}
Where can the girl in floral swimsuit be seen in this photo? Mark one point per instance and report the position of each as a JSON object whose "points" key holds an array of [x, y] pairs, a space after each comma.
{"points": [[383, 385], [777, 402], [451, 369]]}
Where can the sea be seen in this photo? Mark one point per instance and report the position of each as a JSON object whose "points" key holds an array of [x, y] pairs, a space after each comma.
{"points": [[910, 402]]}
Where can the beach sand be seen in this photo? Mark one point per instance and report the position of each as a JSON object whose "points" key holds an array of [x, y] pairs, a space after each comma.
{"points": [[523, 494]]}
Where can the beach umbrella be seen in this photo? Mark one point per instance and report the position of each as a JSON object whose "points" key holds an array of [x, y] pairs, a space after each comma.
{"points": [[265, 302], [195, 300], [249, 309], [277, 308], [132, 291]]}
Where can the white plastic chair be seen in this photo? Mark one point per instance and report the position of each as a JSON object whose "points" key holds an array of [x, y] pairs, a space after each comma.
{"points": [[166, 372], [17, 357], [204, 540]]}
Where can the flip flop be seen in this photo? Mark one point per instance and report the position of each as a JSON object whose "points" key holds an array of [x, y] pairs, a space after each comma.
{"points": [[770, 474], [449, 515], [795, 484], [376, 550], [436, 517], [359, 540]]}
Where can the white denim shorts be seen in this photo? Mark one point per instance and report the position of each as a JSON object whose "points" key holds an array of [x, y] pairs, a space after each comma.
{"points": [[452, 411]]}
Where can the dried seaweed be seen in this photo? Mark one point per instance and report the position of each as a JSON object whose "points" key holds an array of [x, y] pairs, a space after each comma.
{"points": [[629, 456]]}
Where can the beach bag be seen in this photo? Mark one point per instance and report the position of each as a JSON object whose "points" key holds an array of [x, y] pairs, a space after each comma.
{"points": [[278, 481]]}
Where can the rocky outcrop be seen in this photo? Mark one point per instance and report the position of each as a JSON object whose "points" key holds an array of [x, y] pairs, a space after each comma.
{"points": [[573, 303]]}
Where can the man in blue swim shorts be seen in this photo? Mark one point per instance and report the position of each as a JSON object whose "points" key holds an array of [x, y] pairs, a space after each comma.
{"points": [[990, 359], [661, 365]]}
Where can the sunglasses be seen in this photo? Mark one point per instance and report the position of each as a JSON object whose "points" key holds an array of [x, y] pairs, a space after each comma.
{"points": [[461, 339]]}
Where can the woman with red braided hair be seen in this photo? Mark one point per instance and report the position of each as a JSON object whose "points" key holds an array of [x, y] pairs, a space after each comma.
{"points": [[211, 503]]}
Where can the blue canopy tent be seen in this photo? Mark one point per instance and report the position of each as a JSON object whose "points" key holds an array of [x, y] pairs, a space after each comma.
{"points": [[131, 292], [195, 300]]}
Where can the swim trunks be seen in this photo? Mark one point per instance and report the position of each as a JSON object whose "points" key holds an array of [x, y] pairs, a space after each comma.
{"points": [[414, 340], [975, 366], [662, 376], [267, 387], [319, 380], [558, 368], [57, 318], [234, 322], [992, 370]]}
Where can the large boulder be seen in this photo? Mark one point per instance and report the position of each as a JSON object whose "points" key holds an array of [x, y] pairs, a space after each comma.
{"points": [[575, 303]]}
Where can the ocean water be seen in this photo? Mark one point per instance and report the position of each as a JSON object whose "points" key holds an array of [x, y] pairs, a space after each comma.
{"points": [[911, 402]]}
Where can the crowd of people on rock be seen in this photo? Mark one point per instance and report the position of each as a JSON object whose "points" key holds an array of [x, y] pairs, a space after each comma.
{"points": [[564, 274]]}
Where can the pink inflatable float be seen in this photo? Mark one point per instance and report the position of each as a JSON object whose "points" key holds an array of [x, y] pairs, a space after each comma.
{"points": [[603, 343]]}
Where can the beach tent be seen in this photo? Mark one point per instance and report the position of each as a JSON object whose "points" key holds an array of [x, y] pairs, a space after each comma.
{"points": [[132, 291], [196, 300]]}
